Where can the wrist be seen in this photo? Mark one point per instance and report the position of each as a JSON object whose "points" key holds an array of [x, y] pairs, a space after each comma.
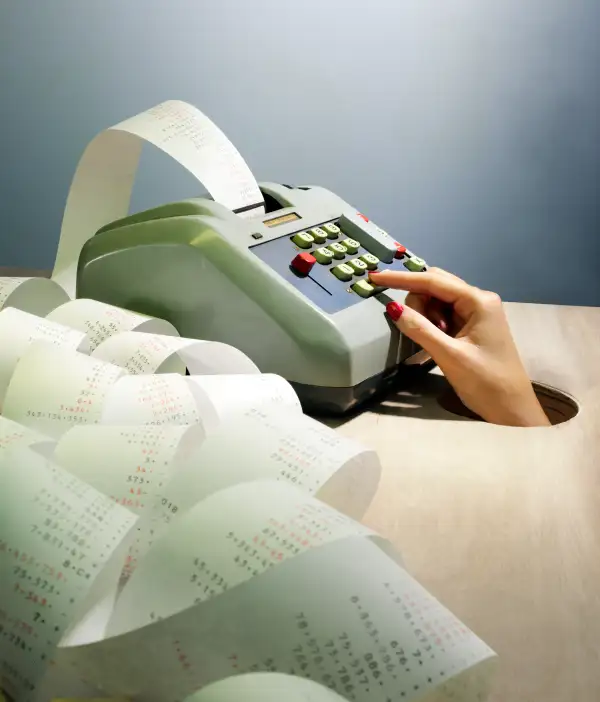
{"points": [[523, 410]]}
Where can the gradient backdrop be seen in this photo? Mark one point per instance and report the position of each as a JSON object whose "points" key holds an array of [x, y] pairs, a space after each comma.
{"points": [[469, 129]]}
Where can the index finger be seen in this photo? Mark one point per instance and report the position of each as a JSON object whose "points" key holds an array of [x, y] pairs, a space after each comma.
{"points": [[446, 288]]}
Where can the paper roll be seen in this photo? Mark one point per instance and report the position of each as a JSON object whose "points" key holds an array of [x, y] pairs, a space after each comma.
{"points": [[291, 447], [151, 400], [155, 353], [222, 397], [100, 321], [61, 554], [53, 389], [130, 464], [229, 538], [34, 295], [15, 436], [344, 614], [18, 330], [101, 189], [170, 398], [265, 687]]}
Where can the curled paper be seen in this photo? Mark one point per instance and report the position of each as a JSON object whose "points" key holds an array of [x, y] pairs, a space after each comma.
{"points": [[19, 329], [100, 321], [62, 684], [154, 353], [151, 400], [344, 614], [207, 399], [221, 397], [265, 687], [222, 542], [281, 446], [101, 189], [130, 464], [53, 389], [61, 552], [15, 436], [34, 295]]}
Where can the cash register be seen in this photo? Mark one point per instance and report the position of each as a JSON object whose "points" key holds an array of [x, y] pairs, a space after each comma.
{"points": [[289, 288]]}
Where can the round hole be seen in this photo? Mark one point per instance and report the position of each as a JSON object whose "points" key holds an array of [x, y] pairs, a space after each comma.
{"points": [[558, 406]]}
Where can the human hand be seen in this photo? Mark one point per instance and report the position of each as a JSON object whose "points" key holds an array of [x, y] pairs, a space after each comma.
{"points": [[466, 332]]}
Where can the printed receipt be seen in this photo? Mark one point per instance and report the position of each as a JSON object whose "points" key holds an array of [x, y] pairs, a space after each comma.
{"points": [[131, 464], [14, 435], [100, 321], [145, 353], [170, 398], [221, 397], [34, 295], [101, 189], [18, 330], [231, 537], [151, 400], [265, 687], [54, 388], [61, 554], [344, 614], [275, 445], [285, 446]]}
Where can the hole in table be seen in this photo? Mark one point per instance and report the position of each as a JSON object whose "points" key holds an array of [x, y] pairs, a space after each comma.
{"points": [[558, 405]]}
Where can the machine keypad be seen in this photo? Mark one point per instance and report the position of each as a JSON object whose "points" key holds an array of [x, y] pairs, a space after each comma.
{"points": [[343, 271], [318, 234], [303, 239], [363, 288], [339, 251], [333, 231], [370, 260], [323, 255], [415, 264], [347, 259], [358, 266], [352, 245]]}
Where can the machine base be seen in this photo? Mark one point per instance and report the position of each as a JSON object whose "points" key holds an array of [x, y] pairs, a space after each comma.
{"points": [[326, 401]]}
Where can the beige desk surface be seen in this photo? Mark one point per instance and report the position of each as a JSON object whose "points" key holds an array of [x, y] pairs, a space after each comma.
{"points": [[503, 524]]}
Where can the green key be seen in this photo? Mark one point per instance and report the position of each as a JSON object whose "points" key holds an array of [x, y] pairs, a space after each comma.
{"points": [[342, 271], [352, 245], [363, 288], [359, 266], [323, 255], [318, 235], [371, 261], [303, 239], [339, 251], [333, 231], [415, 264]]}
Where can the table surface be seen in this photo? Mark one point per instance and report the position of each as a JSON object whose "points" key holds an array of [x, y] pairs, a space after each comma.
{"points": [[502, 524]]}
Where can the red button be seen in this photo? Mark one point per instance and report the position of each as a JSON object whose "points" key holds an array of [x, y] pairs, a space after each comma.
{"points": [[303, 263], [361, 215], [400, 250]]}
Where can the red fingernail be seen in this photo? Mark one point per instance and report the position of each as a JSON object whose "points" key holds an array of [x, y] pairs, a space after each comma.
{"points": [[394, 310]]}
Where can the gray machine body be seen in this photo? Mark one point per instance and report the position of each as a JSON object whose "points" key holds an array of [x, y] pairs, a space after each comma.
{"points": [[218, 276]]}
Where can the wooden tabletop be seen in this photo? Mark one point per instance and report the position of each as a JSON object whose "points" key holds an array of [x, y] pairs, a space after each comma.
{"points": [[503, 524]]}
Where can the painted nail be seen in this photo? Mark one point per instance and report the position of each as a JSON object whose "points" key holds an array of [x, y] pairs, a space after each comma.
{"points": [[394, 310]]}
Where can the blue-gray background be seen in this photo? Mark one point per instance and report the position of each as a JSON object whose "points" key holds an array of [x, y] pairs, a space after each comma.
{"points": [[469, 129]]}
